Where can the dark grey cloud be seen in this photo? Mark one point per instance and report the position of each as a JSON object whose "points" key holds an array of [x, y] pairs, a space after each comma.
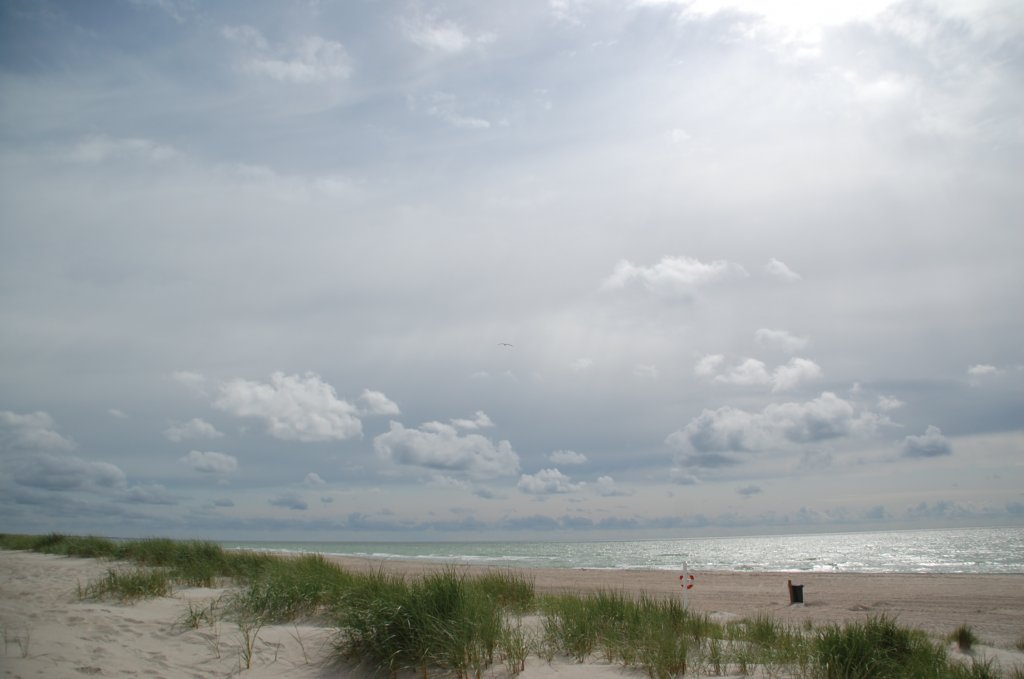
{"points": [[289, 501]]}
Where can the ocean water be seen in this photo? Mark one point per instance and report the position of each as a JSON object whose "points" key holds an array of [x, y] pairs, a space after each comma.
{"points": [[966, 550]]}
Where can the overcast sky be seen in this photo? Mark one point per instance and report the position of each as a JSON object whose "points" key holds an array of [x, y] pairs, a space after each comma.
{"points": [[558, 269]]}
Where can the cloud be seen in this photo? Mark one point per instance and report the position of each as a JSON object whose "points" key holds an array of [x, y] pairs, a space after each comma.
{"points": [[310, 59], [101, 148], [378, 404], [119, 414], [193, 381], [567, 457], [440, 35], [672, 276], [32, 431], [294, 408], [547, 482], [193, 429], [930, 444], [313, 480], [780, 339], [605, 486], [60, 472], [153, 494], [752, 372], [210, 462], [440, 446], [889, 403], [780, 270], [748, 491], [289, 501], [447, 108], [981, 369], [730, 430], [223, 502], [479, 421]]}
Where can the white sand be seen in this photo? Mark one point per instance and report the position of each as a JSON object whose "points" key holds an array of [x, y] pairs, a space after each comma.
{"points": [[48, 632]]}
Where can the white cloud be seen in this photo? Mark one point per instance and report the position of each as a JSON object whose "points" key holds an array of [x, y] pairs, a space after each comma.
{"points": [[61, 472], [210, 462], [709, 437], [981, 369], [32, 431], [930, 444], [547, 482], [889, 403], [311, 59], [780, 270], [678, 136], [193, 429], [436, 445], [567, 457], [440, 35], [780, 339], [752, 372], [101, 148], [313, 480], [295, 408], [672, 276], [708, 365], [796, 372], [606, 487], [378, 404], [480, 421], [446, 108], [193, 381]]}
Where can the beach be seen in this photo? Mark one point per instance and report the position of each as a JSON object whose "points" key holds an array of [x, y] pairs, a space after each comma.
{"points": [[49, 632]]}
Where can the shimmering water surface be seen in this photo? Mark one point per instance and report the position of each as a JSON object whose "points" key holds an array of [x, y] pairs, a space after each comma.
{"points": [[967, 550]]}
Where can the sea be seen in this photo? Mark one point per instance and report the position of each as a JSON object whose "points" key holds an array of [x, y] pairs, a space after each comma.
{"points": [[961, 550]]}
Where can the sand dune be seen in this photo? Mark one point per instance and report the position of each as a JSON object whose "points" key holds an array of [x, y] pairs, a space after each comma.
{"points": [[48, 632]]}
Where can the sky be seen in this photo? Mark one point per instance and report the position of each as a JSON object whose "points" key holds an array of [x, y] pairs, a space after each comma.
{"points": [[551, 269]]}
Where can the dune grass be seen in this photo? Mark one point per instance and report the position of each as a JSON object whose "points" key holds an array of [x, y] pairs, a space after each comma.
{"points": [[460, 625]]}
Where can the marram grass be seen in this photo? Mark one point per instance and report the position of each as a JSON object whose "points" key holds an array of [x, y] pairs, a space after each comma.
{"points": [[460, 625]]}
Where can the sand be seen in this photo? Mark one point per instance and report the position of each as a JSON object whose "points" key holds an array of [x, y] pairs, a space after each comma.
{"points": [[48, 632]]}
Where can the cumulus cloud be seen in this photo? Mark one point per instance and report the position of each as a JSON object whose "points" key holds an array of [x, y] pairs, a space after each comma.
{"points": [[780, 270], [709, 437], [191, 380], [780, 339], [289, 501], [748, 491], [930, 444], [480, 421], [547, 482], [752, 372], [981, 369], [31, 431], [193, 429], [605, 486], [436, 445], [376, 403], [582, 364], [672, 276], [210, 462], [310, 59], [63, 472], [567, 457], [294, 408]]}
